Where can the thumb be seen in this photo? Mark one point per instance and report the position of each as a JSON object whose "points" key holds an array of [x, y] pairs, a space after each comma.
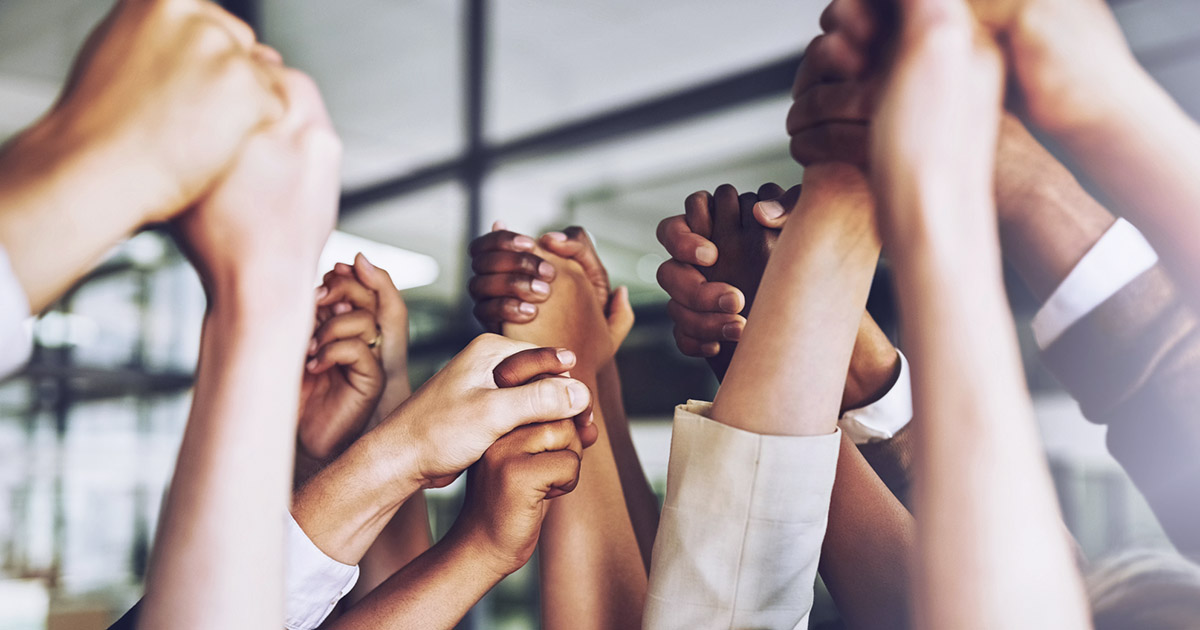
{"points": [[620, 316], [773, 213]]}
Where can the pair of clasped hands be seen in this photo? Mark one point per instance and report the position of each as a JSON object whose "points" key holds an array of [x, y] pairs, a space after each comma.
{"points": [[518, 416]]}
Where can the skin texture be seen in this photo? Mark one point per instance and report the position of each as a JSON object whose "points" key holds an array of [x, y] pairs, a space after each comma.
{"points": [[596, 543], [508, 492], [434, 436], [264, 225], [63, 204], [933, 144], [831, 253]]}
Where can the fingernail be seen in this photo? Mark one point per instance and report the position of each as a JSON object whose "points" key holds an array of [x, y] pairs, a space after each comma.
{"points": [[312, 346], [591, 418], [366, 263], [771, 209], [522, 242], [527, 308], [706, 254], [540, 287], [728, 303], [341, 308], [546, 270], [556, 236], [731, 331], [566, 357], [311, 365], [711, 349], [578, 394], [499, 225], [322, 291]]}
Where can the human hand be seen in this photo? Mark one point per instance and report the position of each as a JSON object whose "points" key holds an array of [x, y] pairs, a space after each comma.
{"points": [[490, 388], [365, 286], [342, 384], [267, 220], [719, 249], [934, 135], [508, 490], [152, 74], [835, 89], [513, 274], [1068, 57]]}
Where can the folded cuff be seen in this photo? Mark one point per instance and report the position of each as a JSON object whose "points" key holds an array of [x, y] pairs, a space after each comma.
{"points": [[315, 582], [742, 525]]}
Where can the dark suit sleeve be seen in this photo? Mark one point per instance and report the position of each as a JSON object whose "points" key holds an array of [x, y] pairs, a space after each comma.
{"points": [[1133, 364], [129, 620]]}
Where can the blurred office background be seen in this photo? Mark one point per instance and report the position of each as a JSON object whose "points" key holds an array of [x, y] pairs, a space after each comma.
{"points": [[454, 113]]}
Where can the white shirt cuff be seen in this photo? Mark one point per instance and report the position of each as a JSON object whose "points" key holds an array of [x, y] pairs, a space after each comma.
{"points": [[315, 582], [742, 526], [1120, 256], [16, 336], [882, 419]]}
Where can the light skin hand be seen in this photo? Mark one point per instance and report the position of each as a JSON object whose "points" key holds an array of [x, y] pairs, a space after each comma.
{"points": [[494, 386], [117, 152], [932, 154], [263, 226]]}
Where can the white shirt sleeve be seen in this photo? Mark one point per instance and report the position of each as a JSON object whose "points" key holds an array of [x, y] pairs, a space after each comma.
{"points": [[882, 419], [1120, 256], [741, 528], [16, 332], [315, 582]]}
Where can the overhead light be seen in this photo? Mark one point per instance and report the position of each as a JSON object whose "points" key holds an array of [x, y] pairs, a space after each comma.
{"points": [[407, 268]]}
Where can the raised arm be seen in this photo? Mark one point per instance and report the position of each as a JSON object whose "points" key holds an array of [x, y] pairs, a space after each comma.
{"points": [[595, 543], [117, 151], [989, 530], [1081, 84], [507, 495], [218, 556]]}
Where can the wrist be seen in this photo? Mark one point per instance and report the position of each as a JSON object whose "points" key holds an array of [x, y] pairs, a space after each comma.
{"points": [[390, 460], [874, 367], [469, 545]]}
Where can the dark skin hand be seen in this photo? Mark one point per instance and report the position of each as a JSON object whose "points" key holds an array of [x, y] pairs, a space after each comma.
{"points": [[744, 245]]}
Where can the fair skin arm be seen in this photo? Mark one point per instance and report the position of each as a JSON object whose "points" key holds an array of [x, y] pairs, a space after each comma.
{"points": [[237, 451], [939, 114], [93, 169], [829, 250], [436, 434]]}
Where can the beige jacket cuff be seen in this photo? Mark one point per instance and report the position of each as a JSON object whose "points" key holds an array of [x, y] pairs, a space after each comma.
{"points": [[741, 530]]}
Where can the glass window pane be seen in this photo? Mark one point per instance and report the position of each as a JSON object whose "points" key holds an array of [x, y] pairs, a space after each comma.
{"points": [[430, 222], [554, 61], [389, 72], [620, 190]]}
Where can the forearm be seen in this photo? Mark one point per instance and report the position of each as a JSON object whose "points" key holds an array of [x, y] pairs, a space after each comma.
{"points": [[223, 522], [977, 444], [434, 591], [592, 569], [345, 507], [868, 544], [405, 537], [1145, 154], [807, 317], [640, 500], [1048, 222], [63, 207]]}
